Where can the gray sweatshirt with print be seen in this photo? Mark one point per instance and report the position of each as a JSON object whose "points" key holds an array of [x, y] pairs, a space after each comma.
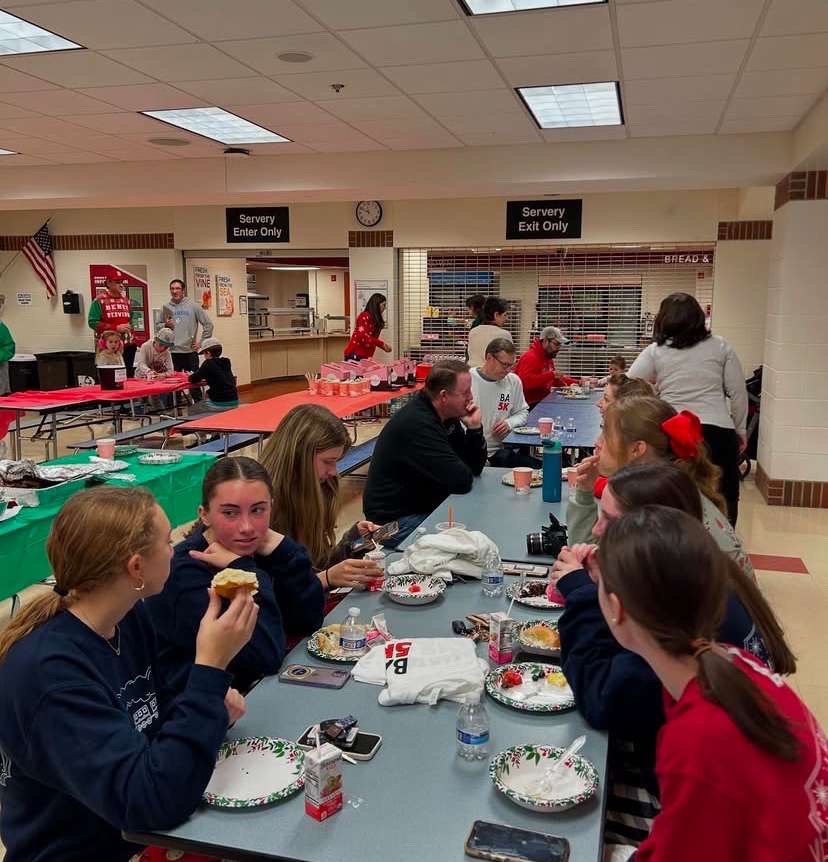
{"points": [[186, 316]]}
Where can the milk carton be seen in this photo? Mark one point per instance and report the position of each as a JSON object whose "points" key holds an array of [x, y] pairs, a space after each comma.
{"points": [[500, 638], [323, 781]]}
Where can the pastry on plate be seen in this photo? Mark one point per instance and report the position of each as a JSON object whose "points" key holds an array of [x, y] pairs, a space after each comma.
{"points": [[228, 582]]}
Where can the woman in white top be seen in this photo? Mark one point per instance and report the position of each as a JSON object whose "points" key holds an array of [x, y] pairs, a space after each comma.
{"points": [[495, 312], [697, 371]]}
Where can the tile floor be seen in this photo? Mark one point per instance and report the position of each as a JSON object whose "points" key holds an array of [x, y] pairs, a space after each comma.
{"points": [[799, 597]]}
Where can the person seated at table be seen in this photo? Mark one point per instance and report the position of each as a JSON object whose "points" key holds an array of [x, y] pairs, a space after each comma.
{"points": [[741, 763], [301, 457], [536, 368], [495, 313], [620, 386], [475, 305], [617, 365], [111, 349], [499, 394], [153, 361], [91, 740], [365, 338], [615, 690], [217, 372], [234, 532], [434, 446]]}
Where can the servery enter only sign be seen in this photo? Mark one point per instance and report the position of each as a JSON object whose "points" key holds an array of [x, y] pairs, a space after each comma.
{"points": [[258, 224]]}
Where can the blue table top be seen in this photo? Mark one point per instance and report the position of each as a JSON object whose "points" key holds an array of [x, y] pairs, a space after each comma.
{"points": [[586, 414]]}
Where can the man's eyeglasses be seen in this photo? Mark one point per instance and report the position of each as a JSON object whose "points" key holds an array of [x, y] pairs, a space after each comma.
{"points": [[506, 365]]}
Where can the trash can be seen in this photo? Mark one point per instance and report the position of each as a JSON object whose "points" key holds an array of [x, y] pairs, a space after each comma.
{"points": [[23, 372], [82, 371], [53, 370]]}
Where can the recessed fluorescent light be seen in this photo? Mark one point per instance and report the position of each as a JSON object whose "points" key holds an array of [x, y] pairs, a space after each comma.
{"points": [[7, 153], [489, 7], [218, 125], [569, 106], [20, 37]]}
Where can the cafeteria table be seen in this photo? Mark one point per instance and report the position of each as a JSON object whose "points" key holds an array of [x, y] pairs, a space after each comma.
{"points": [[416, 799], [586, 414], [23, 561]]}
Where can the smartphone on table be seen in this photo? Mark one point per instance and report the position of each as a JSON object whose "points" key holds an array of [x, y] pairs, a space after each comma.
{"points": [[365, 745], [365, 543], [500, 843], [318, 677]]}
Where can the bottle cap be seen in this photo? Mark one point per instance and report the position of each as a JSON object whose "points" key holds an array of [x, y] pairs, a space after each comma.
{"points": [[354, 612]]}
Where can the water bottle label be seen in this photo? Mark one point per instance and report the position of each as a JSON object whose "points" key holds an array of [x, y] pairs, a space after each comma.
{"points": [[493, 578], [352, 645], [471, 738]]}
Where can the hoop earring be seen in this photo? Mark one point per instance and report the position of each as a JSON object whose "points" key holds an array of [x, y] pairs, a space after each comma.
{"points": [[141, 588]]}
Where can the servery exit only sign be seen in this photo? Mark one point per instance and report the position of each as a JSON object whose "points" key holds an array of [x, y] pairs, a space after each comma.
{"points": [[547, 219]]}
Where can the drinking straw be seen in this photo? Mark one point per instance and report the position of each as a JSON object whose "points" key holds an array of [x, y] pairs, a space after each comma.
{"points": [[450, 521], [509, 612]]}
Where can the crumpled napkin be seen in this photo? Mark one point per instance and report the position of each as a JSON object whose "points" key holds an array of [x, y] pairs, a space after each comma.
{"points": [[462, 552]]}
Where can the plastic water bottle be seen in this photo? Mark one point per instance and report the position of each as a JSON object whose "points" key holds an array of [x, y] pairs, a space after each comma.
{"points": [[352, 634], [570, 425], [491, 578], [473, 731]]}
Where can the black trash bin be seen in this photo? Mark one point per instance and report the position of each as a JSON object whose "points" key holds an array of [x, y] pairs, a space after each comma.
{"points": [[82, 368], [23, 374], [53, 370]]}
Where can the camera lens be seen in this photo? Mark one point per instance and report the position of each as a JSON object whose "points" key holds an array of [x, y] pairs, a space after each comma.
{"points": [[534, 543], [298, 671]]}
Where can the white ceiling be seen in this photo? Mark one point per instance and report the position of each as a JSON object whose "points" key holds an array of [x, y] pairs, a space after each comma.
{"points": [[417, 74]]}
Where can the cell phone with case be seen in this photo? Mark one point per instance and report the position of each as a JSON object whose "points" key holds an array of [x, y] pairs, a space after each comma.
{"points": [[319, 677], [365, 745], [365, 543], [500, 843]]}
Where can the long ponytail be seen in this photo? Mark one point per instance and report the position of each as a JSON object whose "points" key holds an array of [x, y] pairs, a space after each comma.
{"points": [[651, 559]]}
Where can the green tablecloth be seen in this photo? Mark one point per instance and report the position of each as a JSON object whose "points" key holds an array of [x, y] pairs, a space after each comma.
{"points": [[177, 487]]}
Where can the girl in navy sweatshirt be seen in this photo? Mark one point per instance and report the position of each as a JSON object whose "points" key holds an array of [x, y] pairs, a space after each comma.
{"points": [[741, 764], [615, 689], [234, 532], [91, 743]]}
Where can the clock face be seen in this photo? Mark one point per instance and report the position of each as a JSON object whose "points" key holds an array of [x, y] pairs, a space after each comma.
{"points": [[368, 213]]}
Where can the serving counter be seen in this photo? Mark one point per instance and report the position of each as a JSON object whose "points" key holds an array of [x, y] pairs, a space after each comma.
{"points": [[293, 355]]}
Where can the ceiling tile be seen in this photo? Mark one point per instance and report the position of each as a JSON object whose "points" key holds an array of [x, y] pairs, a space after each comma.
{"points": [[214, 20], [12, 81], [675, 61], [795, 16], [669, 111], [669, 128], [50, 128], [495, 138], [463, 75], [79, 157], [489, 103], [758, 124], [328, 132], [121, 123], [359, 83], [76, 69], [146, 97], [286, 112], [238, 91], [386, 107], [362, 145], [593, 133], [57, 103], [697, 88], [414, 43], [277, 149], [771, 106], [578, 68], [31, 146], [789, 52], [422, 142], [674, 21], [10, 4], [107, 24], [8, 111], [368, 13], [399, 128], [785, 82], [183, 63], [19, 161], [553, 31], [198, 147], [262, 54]]}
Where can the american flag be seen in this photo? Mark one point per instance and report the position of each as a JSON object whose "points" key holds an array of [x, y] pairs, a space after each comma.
{"points": [[38, 249]]}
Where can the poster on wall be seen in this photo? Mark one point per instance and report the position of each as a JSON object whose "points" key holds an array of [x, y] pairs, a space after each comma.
{"points": [[364, 289], [224, 296], [243, 305], [203, 288], [133, 278]]}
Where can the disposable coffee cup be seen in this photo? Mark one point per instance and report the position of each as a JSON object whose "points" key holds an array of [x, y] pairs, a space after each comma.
{"points": [[106, 448], [522, 477], [545, 427]]}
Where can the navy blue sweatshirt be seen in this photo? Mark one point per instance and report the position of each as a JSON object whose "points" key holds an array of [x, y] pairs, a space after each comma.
{"points": [[89, 745], [419, 460], [291, 602], [218, 374], [615, 689]]}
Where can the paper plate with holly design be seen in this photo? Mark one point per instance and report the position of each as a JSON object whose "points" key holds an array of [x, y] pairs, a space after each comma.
{"points": [[530, 687], [518, 773], [255, 770]]}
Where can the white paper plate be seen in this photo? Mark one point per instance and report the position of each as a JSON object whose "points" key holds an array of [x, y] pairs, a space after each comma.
{"points": [[399, 589], [531, 696], [255, 771], [158, 458], [10, 513], [314, 649], [537, 602], [530, 646], [529, 430], [537, 479]]}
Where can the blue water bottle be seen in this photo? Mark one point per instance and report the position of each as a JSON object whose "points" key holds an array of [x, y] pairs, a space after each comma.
{"points": [[552, 472]]}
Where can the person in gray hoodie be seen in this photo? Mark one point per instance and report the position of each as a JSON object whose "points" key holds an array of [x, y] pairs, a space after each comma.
{"points": [[183, 316]]}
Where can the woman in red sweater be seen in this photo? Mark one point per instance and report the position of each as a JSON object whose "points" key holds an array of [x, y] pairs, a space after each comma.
{"points": [[365, 337], [741, 763]]}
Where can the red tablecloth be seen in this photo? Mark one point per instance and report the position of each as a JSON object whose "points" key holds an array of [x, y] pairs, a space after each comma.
{"points": [[263, 416]]}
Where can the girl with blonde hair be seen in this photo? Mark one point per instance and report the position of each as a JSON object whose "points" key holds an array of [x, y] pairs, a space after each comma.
{"points": [[301, 457], [90, 744]]}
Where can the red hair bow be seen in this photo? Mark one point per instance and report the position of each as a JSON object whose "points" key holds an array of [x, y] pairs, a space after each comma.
{"points": [[685, 433], [600, 484]]}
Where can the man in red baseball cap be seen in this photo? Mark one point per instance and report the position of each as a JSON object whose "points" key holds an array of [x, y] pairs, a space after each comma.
{"points": [[112, 312]]}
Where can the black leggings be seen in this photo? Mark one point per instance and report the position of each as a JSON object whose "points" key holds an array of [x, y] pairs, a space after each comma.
{"points": [[723, 446]]}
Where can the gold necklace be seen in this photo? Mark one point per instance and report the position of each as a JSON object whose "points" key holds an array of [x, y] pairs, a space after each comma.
{"points": [[115, 647]]}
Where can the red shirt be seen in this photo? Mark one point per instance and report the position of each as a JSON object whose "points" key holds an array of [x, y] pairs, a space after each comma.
{"points": [[723, 798], [537, 373], [115, 311], [363, 341]]}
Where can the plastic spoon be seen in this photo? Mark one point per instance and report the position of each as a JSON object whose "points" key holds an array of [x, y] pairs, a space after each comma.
{"points": [[541, 786]]}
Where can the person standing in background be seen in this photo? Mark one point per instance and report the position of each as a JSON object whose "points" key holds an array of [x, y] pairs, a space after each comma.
{"points": [[475, 305], [692, 369], [536, 368], [495, 313], [7, 349], [112, 312], [183, 316], [365, 338]]}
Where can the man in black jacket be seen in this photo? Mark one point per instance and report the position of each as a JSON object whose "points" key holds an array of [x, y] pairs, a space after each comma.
{"points": [[432, 448]]}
